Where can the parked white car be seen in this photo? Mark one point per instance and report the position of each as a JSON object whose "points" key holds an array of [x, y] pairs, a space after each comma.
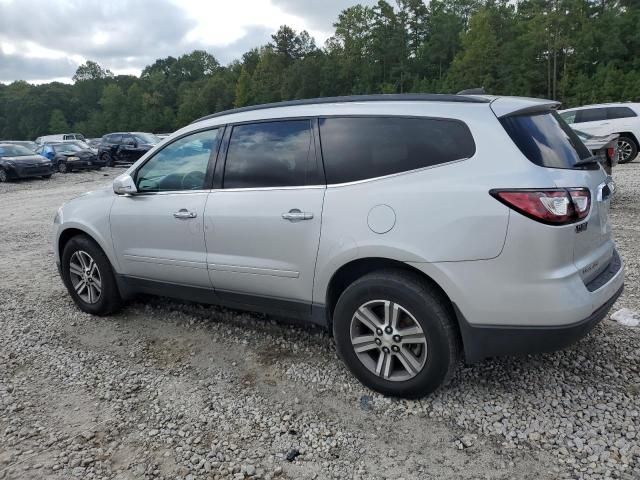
{"points": [[62, 137], [607, 119]]}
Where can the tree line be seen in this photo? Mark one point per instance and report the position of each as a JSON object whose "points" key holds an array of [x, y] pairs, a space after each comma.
{"points": [[575, 51]]}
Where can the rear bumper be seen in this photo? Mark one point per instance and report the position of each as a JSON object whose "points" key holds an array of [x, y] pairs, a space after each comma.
{"points": [[482, 341]]}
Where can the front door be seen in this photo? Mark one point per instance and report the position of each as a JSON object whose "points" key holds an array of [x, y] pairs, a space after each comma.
{"points": [[159, 231], [263, 226]]}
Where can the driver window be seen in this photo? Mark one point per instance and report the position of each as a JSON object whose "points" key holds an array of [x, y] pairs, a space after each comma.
{"points": [[181, 165]]}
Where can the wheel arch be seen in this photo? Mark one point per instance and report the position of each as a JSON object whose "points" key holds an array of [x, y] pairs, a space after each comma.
{"points": [[354, 269], [74, 230], [632, 137]]}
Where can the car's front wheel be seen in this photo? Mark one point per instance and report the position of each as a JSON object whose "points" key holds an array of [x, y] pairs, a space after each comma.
{"points": [[627, 149], [62, 167], [4, 177], [396, 334], [89, 278], [106, 158]]}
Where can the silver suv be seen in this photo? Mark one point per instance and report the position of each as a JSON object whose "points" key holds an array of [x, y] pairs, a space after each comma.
{"points": [[417, 228]]}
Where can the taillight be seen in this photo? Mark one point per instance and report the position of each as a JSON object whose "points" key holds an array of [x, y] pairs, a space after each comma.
{"points": [[557, 206], [611, 153]]}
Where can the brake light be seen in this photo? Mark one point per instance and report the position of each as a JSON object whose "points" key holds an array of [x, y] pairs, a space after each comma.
{"points": [[611, 153], [557, 206]]}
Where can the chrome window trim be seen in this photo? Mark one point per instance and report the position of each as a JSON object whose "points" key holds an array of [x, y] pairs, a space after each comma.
{"points": [[397, 174], [171, 192], [259, 189]]}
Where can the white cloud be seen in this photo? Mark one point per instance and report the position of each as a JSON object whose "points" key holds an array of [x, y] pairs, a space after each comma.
{"points": [[126, 35]]}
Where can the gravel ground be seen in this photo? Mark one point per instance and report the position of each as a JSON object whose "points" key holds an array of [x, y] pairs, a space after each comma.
{"points": [[174, 390]]}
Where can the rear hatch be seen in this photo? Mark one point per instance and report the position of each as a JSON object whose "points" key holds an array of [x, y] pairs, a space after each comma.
{"points": [[547, 141]]}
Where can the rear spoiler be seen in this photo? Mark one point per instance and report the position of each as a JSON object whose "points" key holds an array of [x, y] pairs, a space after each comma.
{"points": [[509, 106]]}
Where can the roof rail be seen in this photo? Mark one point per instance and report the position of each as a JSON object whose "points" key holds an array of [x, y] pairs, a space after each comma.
{"points": [[389, 97]]}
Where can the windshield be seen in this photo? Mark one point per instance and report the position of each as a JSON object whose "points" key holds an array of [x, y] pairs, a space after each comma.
{"points": [[67, 148], [14, 151], [80, 144], [148, 138], [545, 139]]}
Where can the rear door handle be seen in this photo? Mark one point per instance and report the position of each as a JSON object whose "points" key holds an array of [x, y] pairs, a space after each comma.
{"points": [[296, 215], [183, 213]]}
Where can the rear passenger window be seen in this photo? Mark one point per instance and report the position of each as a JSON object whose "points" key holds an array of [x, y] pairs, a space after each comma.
{"points": [[115, 139], [270, 154], [591, 115], [365, 147], [620, 112]]}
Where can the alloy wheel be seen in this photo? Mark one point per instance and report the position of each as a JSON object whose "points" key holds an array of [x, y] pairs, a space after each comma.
{"points": [[388, 340], [625, 150], [85, 277], [62, 167], [3, 176]]}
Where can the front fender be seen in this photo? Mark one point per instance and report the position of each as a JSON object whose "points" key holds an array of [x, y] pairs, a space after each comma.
{"points": [[88, 214]]}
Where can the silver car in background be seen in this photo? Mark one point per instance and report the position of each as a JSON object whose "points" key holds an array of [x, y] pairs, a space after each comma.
{"points": [[418, 229]]}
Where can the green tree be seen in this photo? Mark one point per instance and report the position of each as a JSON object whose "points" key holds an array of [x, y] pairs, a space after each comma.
{"points": [[58, 122]]}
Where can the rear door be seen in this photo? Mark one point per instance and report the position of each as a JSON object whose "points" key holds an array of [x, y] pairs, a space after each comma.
{"points": [[263, 225]]}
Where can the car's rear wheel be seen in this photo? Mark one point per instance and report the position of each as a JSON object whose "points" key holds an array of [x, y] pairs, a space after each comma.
{"points": [[627, 149], [396, 334], [89, 278], [4, 177], [62, 167], [47, 177]]}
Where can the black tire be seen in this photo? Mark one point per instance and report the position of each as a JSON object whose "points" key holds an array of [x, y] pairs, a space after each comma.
{"points": [[630, 148], [62, 167], [106, 158], [429, 308], [47, 177], [4, 176], [109, 300]]}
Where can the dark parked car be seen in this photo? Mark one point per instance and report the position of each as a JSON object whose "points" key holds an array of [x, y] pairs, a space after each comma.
{"points": [[25, 143], [67, 156], [17, 161], [124, 148]]}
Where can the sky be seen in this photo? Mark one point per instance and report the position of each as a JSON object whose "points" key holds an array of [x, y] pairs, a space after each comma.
{"points": [[46, 40]]}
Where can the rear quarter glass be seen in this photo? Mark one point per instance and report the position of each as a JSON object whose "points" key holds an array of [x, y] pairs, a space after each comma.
{"points": [[545, 139]]}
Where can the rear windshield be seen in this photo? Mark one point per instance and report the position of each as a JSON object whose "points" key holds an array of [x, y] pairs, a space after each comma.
{"points": [[546, 139]]}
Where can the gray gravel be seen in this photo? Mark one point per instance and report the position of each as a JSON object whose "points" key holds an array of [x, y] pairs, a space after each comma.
{"points": [[175, 390]]}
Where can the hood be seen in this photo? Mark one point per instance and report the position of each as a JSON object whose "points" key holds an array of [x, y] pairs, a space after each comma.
{"points": [[81, 154], [104, 191], [30, 159]]}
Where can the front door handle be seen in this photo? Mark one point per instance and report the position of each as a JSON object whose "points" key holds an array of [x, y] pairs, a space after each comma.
{"points": [[183, 213], [296, 215]]}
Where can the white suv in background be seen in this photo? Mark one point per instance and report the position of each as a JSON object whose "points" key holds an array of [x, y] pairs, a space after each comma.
{"points": [[607, 119]]}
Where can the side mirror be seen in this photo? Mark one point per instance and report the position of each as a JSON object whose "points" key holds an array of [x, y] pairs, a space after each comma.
{"points": [[124, 185]]}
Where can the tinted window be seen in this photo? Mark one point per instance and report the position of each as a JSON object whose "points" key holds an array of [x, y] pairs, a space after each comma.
{"points": [[128, 140], [620, 112], [591, 115], [545, 139], [181, 165], [359, 148], [273, 154], [116, 138]]}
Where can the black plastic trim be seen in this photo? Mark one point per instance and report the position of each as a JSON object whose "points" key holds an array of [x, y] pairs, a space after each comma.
{"points": [[397, 97], [130, 286], [483, 341], [607, 274]]}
